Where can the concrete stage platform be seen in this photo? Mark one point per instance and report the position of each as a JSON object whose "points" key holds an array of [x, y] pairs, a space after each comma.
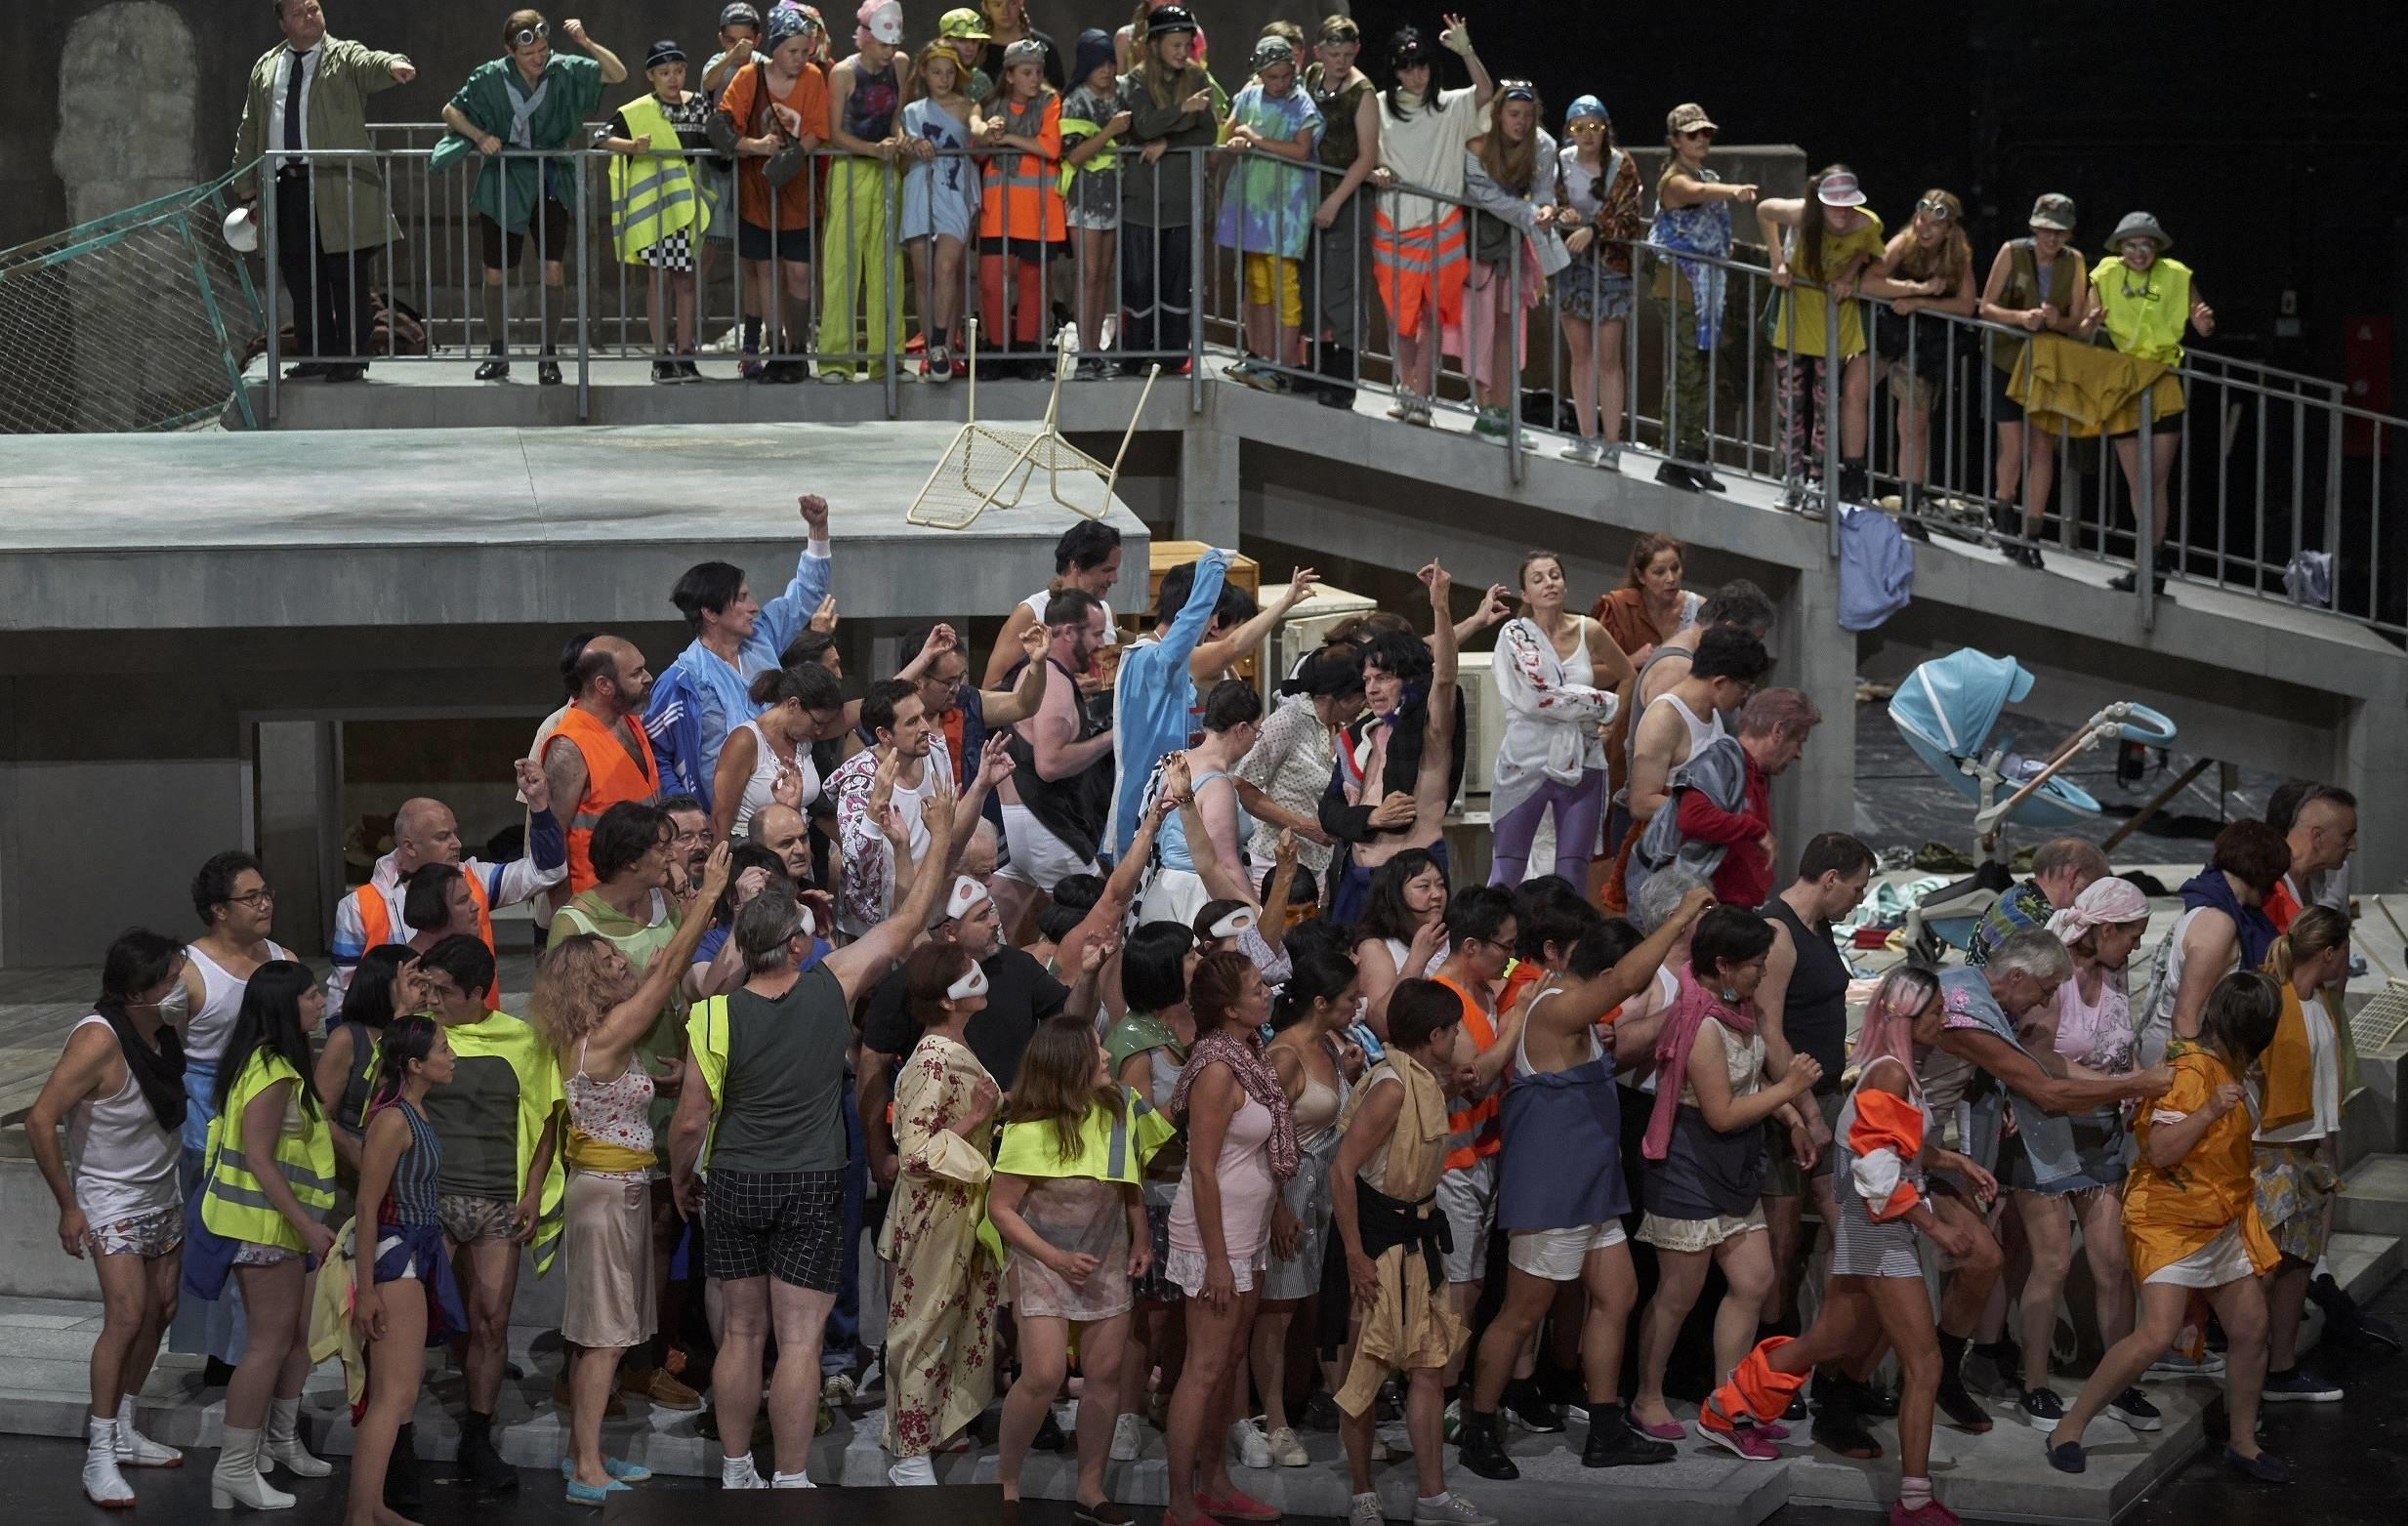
{"points": [[485, 526]]}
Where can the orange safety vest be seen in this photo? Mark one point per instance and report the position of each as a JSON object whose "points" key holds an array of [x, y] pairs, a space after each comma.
{"points": [[1471, 1128], [611, 777], [1023, 194], [376, 924]]}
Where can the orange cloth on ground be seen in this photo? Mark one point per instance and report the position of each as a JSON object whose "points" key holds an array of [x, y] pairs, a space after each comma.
{"points": [[2084, 391], [1756, 1391], [1410, 265], [2171, 1212], [1886, 1121], [743, 102]]}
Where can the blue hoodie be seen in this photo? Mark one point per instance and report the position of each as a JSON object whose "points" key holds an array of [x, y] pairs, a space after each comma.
{"points": [[1153, 700], [695, 703]]}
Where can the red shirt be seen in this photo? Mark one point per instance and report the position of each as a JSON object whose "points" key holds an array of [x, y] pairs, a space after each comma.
{"points": [[1745, 878]]}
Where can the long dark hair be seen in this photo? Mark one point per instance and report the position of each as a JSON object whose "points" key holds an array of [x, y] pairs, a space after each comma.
{"points": [[269, 1019], [1318, 974], [404, 1039], [1808, 261], [368, 1000], [2239, 1018], [1385, 913]]}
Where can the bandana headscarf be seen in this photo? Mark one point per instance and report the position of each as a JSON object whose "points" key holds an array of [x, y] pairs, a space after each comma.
{"points": [[1255, 1078], [2109, 903]]}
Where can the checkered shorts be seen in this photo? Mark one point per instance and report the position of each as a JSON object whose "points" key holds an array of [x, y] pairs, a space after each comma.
{"points": [[787, 1225], [673, 253], [146, 1235]]}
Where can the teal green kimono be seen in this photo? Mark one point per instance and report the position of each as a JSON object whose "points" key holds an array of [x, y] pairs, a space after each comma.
{"points": [[571, 88]]}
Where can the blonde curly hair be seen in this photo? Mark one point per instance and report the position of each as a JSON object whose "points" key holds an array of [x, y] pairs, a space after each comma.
{"points": [[575, 990]]}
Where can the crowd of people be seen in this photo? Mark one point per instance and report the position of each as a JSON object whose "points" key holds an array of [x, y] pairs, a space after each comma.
{"points": [[1140, 1047], [987, 171]]}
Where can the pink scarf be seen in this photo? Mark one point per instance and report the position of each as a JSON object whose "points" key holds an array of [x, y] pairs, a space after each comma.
{"points": [[1690, 1010], [1255, 1078]]}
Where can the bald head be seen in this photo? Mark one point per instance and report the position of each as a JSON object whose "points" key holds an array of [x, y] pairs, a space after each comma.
{"points": [[782, 829], [424, 832], [610, 676], [978, 858]]}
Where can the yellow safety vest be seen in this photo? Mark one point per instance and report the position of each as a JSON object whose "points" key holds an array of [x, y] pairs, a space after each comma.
{"points": [[1106, 158], [706, 1041], [2146, 311], [233, 1203], [652, 196]]}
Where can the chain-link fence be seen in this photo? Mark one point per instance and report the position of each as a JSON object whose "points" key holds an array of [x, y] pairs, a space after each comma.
{"points": [[136, 321]]}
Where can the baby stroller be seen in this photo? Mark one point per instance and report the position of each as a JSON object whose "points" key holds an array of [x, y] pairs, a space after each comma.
{"points": [[1946, 710]]}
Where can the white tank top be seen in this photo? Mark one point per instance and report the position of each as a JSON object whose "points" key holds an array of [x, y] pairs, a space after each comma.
{"points": [[1399, 953], [122, 1162], [764, 774], [1701, 731], [213, 1021]]}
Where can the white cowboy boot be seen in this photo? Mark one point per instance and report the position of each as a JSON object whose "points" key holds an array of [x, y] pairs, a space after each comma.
{"points": [[235, 1480], [282, 1442]]}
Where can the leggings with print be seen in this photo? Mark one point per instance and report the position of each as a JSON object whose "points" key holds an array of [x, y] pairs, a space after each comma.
{"points": [[1577, 807], [1801, 421]]}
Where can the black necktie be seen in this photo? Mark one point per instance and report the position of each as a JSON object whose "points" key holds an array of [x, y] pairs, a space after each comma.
{"points": [[292, 101]]}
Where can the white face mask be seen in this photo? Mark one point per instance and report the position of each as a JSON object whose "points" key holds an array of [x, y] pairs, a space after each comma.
{"points": [[177, 1004]]}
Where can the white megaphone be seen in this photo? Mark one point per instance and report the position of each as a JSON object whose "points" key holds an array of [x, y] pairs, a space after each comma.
{"points": [[241, 229]]}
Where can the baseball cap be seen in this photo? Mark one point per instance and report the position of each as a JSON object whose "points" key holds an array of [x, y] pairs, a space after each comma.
{"points": [[1839, 190], [665, 51], [1688, 117], [2053, 211], [739, 14], [882, 20], [963, 23], [1025, 50]]}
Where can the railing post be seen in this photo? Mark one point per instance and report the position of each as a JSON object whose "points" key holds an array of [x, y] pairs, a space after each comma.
{"points": [[2144, 511], [1508, 334], [1196, 166], [891, 249], [585, 348], [264, 206], [1829, 405]]}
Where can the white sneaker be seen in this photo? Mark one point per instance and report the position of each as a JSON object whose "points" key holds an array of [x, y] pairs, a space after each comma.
{"points": [[737, 1472], [1128, 1439], [1455, 1511], [1248, 1447], [1364, 1511], [1287, 1449], [913, 1472], [104, 1485], [1581, 452], [136, 1450], [792, 1481]]}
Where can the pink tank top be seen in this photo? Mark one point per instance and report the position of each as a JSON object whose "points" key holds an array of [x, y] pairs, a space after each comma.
{"points": [[1246, 1189]]}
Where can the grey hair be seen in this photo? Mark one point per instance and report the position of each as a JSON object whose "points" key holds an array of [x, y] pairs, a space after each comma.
{"points": [[1661, 895], [2033, 951], [767, 923]]}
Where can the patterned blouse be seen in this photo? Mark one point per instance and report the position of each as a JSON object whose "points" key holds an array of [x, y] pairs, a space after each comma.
{"points": [[1291, 761]]}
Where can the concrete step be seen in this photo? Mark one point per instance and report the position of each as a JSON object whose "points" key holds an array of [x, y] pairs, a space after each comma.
{"points": [[2374, 1198]]}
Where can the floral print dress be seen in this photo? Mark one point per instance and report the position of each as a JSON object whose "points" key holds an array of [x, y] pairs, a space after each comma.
{"points": [[941, 1312]]}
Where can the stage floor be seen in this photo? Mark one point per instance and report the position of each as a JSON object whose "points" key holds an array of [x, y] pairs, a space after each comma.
{"points": [[489, 525]]}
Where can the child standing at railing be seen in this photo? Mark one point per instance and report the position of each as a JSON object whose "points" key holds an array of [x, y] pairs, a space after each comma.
{"points": [[1267, 208], [1596, 210], [777, 112], [940, 197], [857, 256], [1092, 121], [1019, 206], [658, 216]]}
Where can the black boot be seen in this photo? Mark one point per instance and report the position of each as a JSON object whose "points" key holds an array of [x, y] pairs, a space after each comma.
{"points": [[1612, 1443], [481, 1466], [1483, 1445], [1963, 1411], [1337, 368], [496, 369], [1856, 482], [405, 1491]]}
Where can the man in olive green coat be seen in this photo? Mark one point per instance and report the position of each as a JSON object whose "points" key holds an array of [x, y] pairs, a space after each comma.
{"points": [[310, 92]]}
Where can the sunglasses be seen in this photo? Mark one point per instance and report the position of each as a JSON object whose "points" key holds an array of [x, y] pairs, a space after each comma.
{"points": [[528, 36], [1934, 206]]}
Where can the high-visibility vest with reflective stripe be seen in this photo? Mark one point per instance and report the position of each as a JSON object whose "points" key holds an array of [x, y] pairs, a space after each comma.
{"points": [[1099, 162], [233, 1203], [611, 776], [1471, 1128], [652, 196], [1020, 199], [376, 923]]}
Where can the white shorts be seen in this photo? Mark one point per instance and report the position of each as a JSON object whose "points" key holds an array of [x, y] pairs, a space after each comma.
{"points": [[1469, 1200], [1559, 1254], [2220, 1260], [1038, 856], [1175, 896]]}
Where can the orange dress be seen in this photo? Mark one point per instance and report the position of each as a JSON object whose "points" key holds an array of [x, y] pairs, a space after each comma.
{"points": [[2174, 1212]]}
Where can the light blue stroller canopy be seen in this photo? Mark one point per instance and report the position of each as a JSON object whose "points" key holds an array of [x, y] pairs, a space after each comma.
{"points": [[1947, 708]]}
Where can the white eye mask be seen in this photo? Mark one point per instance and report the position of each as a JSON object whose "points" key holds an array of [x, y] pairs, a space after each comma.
{"points": [[973, 983], [1236, 922]]}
